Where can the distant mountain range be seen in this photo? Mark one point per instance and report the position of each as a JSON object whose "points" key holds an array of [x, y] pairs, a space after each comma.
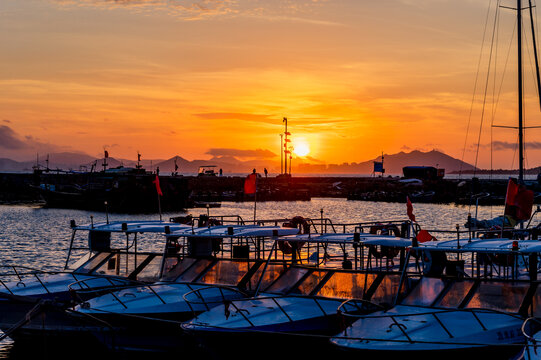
{"points": [[393, 164]]}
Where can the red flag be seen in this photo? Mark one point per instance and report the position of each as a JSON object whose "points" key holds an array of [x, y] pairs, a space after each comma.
{"points": [[249, 184], [512, 191], [518, 201], [158, 188], [424, 236], [410, 209], [106, 154]]}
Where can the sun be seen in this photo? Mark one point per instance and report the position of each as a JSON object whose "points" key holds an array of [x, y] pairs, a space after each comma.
{"points": [[301, 149]]}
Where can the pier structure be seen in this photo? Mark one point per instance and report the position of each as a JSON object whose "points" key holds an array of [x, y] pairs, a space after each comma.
{"points": [[180, 191]]}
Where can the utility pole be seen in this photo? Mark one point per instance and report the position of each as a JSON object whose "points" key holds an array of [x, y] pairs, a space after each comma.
{"points": [[286, 147], [286, 141], [281, 153], [290, 158]]}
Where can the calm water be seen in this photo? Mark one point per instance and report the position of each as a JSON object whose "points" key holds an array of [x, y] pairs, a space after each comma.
{"points": [[39, 238]]}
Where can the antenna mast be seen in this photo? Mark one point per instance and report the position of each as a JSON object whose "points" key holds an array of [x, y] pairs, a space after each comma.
{"points": [[520, 96]]}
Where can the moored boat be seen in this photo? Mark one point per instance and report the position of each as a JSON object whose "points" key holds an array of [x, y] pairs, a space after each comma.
{"points": [[474, 301]]}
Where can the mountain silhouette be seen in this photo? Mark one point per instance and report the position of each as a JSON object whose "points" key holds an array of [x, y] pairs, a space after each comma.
{"points": [[393, 164]]}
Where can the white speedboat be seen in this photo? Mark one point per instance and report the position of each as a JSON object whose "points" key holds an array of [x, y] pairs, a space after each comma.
{"points": [[472, 309], [302, 304], [114, 256], [154, 315], [146, 316]]}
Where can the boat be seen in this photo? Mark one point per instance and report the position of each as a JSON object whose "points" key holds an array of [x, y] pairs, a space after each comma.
{"points": [[150, 319], [115, 255], [206, 204], [299, 309], [207, 170], [473, 299], [531, 330], [120, 190], [147, 317]]}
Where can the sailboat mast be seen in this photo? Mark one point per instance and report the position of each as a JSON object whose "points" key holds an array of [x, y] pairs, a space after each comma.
{"points": [[520, 96]]}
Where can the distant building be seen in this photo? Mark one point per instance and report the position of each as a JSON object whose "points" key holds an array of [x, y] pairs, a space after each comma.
{"points": [[423, 172]]}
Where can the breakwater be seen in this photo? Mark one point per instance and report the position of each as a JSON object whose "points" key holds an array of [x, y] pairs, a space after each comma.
{"points": [[135, 192]]}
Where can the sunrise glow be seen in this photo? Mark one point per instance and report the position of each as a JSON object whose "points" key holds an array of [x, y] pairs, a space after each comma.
{"points": [[302, 149], [172, 78]]}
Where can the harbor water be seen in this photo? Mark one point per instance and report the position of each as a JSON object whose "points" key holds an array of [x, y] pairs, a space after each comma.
{"points": [[39, 238]]}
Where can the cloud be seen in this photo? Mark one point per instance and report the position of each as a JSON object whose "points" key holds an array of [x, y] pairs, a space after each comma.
{"points": [[312, 159], [235, 116], [504, 145], [203, 9], [9, 139], [7, 121], [20, 147], [257, 153], [183, 9]]}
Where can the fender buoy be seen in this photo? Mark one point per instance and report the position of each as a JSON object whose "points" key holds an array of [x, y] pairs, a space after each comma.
{"points": [[173, 248], [385, 230], [375, 228], [385, 251], [434, 263]]}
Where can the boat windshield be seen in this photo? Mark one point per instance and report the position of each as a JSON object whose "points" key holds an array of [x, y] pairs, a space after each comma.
{"points": [[287, 280], [309, 283], [120, 264], [226, 272], [91, 264], [387, 289], [195, 270], [456, 294], [501, 296], [151, 271], [272, 272], [425, 292], [170, 274], [347, 285]]}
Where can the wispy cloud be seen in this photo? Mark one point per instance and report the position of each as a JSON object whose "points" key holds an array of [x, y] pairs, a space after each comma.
{"points": [[504, 145], [257, 153], [234, 116], [283, 10], [183, 9]]}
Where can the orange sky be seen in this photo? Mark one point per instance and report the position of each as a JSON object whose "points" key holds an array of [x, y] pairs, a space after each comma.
{"points": [[355, 78]]}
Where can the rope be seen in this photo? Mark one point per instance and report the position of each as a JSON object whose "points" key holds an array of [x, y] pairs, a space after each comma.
{"points": [[474, 91], [486, 89], [37, 309]]}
